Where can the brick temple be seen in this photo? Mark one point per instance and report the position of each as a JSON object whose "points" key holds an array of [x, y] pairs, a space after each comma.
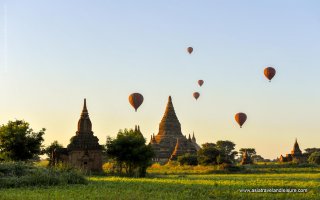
{"points": [[84, 150], [295, 155], [170, 143]]}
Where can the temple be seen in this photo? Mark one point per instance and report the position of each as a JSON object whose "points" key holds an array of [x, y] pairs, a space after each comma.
{"points": [[84, 150], [295, 155], [170, 143], [246, 159]]}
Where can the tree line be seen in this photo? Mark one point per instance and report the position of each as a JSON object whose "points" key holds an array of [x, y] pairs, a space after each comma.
{"points": [[128, 150]]}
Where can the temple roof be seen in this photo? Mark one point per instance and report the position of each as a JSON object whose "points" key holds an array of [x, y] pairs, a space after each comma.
{"points": [[170, 123], [84, 123], [170, 142], [84, 138], [296, 147], [178, 151]]}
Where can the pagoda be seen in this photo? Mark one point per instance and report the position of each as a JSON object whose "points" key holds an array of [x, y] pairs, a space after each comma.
{"points": [[295, 155], [84, 151], [169, 137]]}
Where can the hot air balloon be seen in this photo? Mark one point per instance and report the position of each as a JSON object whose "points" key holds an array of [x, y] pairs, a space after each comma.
{"points": [[269, 72], [200, 82], [135, 100], [190, 50], [196, 95], [240, 118]]}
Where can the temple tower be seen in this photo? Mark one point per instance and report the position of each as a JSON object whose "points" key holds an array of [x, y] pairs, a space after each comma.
{"points": [[296, 152], [84, 150], [169, 132], [177, 151]]}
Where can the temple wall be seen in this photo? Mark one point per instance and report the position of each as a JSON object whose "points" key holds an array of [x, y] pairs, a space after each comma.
{"points": [[80, 160]]}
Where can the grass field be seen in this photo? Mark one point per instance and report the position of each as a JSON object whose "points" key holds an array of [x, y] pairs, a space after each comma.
{"points": [[181, 186]]}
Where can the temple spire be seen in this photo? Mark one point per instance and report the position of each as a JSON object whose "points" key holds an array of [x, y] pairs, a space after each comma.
{"points": [[177, 151], [170, 124], [84, 123], [193, 138], [296, 149], [296, 146], [84, 109], [170, 110]]}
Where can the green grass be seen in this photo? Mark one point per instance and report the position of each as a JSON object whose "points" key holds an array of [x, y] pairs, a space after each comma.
{"points": [[185, 186], [272, 168], [213, 186]]}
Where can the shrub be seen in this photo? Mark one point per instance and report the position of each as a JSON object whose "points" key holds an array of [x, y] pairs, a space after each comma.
{"points": [[18, 174], [155, 166], [188, 159], [109, 167], [230, 168], [314, 158]]}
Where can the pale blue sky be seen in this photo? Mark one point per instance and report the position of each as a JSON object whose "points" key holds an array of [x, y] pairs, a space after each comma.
{"points": [[55, 53]]}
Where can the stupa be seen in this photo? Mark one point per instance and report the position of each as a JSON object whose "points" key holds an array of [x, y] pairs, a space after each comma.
{"points": [[170, 136]]}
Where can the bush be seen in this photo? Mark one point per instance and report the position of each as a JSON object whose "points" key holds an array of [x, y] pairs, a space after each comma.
{"points": [[156, 166], [9, 169], [188, 159], [314, 158], [208, 154], [109, 167], [18, 174], [172, 163], [230, 168]]}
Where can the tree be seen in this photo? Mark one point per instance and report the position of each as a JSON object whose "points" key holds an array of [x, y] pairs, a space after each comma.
{"points": [[49, 150], [130, 152], [208, 154], [251, 151], [226, 149], [258, 158], [188, 159], [19, 142], [309, 151], [314, 158]]}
